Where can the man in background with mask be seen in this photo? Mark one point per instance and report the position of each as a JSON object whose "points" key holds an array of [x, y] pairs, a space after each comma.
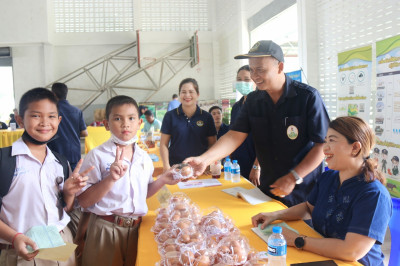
{"points": [[245, 154], [288, 121]]}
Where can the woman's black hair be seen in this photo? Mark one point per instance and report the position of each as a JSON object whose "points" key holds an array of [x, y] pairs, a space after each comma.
{"points": [[189, 80], [245, 67], [354, 129]]}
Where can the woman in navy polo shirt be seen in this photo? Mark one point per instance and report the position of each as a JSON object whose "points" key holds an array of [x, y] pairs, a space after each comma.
{"points": [[187, 130], [245, 154], [349, 205]]}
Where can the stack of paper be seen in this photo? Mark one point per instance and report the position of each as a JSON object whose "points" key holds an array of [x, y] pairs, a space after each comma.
{"points": [[267, 231], [253, 196]]}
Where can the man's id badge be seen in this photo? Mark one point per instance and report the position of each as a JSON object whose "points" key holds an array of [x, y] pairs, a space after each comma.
{"points": [[292, 132]]}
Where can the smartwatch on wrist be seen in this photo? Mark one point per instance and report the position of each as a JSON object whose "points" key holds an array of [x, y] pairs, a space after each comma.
{"points": [[299, 180], [299, 242], [255, 167]]}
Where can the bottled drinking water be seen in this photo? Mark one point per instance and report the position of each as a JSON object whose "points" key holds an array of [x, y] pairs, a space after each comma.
{"points": [[227, 169], [277, 248], [235, 171]]}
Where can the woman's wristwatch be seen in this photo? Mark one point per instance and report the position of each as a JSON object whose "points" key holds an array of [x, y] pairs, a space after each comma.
{"points": [[299, 180], [255, 167], [299, 242]]}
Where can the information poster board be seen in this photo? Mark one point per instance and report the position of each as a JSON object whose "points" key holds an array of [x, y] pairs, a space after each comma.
{"points": [[354, 82], [387, 111], [295, 75]]}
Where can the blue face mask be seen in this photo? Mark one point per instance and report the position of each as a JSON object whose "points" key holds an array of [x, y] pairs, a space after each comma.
{"points": [[244, 87]]}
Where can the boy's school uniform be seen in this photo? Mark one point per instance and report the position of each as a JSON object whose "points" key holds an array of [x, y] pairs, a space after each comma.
{"points": [[112, 236], [32, 200], [128, 195], [34, 192], [108, 244]]}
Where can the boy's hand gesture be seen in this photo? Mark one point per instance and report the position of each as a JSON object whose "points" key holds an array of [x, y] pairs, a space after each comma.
{"points": [[20, 243], [76, 181], [118, 169]]}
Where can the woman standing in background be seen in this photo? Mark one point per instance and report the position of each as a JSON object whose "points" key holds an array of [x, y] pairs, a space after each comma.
{"points": [[187, 130], [246, 153]]}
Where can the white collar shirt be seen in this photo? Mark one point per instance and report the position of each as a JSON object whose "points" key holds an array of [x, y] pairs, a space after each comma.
{"points": [[128, 195], [33, 195]]}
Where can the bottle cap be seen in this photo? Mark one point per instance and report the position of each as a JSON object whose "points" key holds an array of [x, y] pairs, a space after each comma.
{"points": [[228, 160], [277, 229], [234, 161]]}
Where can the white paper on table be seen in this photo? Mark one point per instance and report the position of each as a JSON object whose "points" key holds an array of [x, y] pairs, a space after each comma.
{"points": [[254, 196], [199, 183], [233, 191]]}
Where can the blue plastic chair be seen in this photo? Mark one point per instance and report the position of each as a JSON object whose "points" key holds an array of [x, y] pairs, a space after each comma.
{"points": [[394, 226]]}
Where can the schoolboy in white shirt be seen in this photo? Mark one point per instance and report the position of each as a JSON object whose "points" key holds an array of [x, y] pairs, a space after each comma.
{"points": [[36, 185], [117, 188]]}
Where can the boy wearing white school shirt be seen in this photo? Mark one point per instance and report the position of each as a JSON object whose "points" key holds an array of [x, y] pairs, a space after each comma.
{"points": [[117, 188], [33, 197]]}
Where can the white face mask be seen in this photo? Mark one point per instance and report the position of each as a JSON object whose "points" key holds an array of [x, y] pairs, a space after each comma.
{"points": [[121, 142]]}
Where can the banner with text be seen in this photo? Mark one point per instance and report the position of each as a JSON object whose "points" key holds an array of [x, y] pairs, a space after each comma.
{"points": [[354, 90], [387, 111]]}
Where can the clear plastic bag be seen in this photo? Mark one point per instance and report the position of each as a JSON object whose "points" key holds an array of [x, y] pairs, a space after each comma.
{"points": [[182, 171]]}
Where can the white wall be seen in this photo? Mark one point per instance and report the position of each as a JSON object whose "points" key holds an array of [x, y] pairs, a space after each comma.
{"points": [[228, 42], [308, 46], [23, 22], [40, 56], [28, 68]]}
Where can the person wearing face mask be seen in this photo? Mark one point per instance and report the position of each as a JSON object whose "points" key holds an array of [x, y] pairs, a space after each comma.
{"points": [[245, 154]]}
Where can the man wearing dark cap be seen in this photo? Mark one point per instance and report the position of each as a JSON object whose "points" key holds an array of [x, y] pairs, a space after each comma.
{"points": [[288, 121]]}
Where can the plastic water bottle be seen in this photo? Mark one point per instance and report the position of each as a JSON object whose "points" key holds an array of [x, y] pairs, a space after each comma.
{"points": [[235, 170], [277, 248], [227, 169]]}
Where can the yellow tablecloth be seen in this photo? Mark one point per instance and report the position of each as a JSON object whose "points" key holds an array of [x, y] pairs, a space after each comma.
{"points": [[7, 137], [240, 212], [97, 136]]}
